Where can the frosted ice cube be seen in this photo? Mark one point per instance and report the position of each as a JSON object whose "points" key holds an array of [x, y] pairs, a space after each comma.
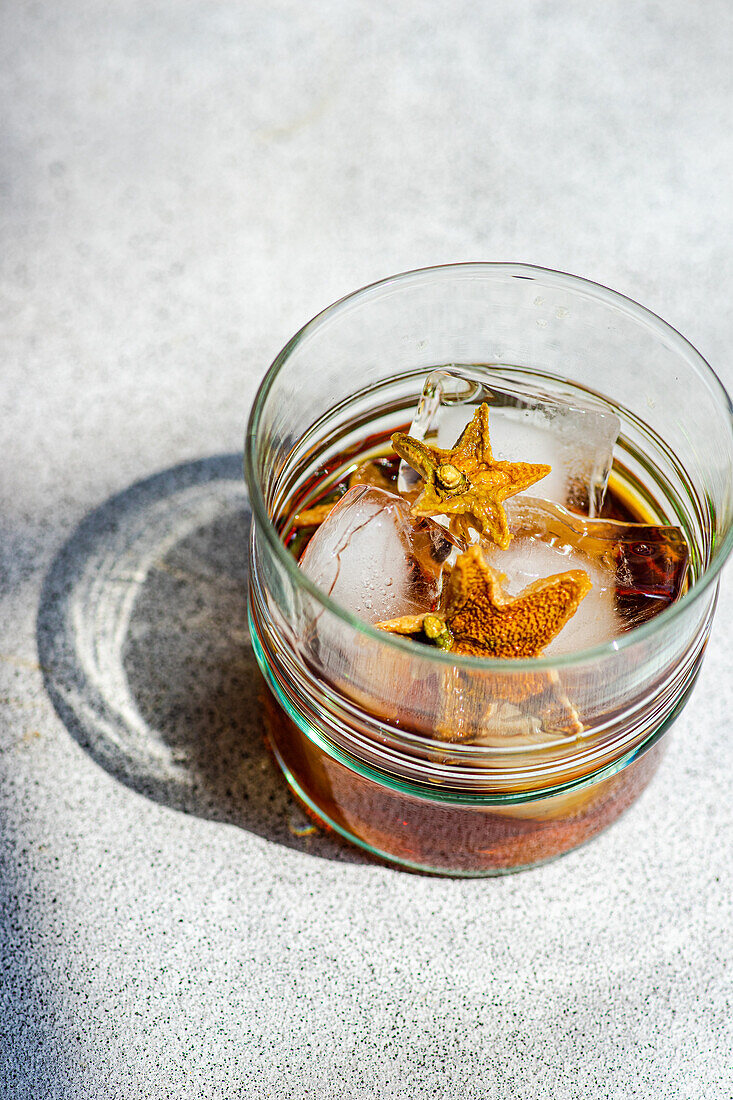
{"points": [[636, 569], [648, 561], [574, 439], [529, 559], [374, 559]]}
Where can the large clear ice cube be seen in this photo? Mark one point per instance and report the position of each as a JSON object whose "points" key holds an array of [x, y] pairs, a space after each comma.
{"points": [[576, 439], [529, 559], [641, 567], [372, 557]]}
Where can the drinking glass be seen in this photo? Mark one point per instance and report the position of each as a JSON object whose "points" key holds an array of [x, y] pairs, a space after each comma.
{"points": [[356, 732]]}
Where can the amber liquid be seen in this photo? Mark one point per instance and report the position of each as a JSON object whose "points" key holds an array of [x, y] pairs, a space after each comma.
{"points": [[439, 837], [424, 833]]}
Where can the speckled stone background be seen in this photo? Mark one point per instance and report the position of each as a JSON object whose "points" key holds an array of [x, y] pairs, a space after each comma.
{"points": [[182, 185]]}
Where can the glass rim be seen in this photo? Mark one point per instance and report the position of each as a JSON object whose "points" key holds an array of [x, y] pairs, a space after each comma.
{"points": [[440, 657]]}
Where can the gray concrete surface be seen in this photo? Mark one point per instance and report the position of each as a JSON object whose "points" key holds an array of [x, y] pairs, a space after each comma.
{"points": [[182, 185]]}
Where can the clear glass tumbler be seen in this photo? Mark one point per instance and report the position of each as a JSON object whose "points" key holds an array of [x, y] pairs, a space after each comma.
{"points": [[356, 735]]}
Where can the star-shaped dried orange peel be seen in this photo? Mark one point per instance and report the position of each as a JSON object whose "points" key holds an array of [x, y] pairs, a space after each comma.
{"points": [[532, 706], [477, 618], [465, 481]]}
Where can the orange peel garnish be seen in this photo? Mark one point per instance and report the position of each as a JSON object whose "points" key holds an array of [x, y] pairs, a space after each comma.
{"points": [[479, 619], [313, 517], [465, 481]]}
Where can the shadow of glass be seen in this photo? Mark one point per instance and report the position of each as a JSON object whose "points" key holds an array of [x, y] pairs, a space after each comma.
{"points": [[143, 638]]}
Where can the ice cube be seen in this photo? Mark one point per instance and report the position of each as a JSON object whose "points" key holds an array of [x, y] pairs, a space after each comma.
{"points": [[575, 439], [529, 559], [372, 557], [636, 569]]}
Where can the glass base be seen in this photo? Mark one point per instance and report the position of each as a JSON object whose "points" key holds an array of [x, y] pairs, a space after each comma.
{"points": [[403, 864], [467, 841]]}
